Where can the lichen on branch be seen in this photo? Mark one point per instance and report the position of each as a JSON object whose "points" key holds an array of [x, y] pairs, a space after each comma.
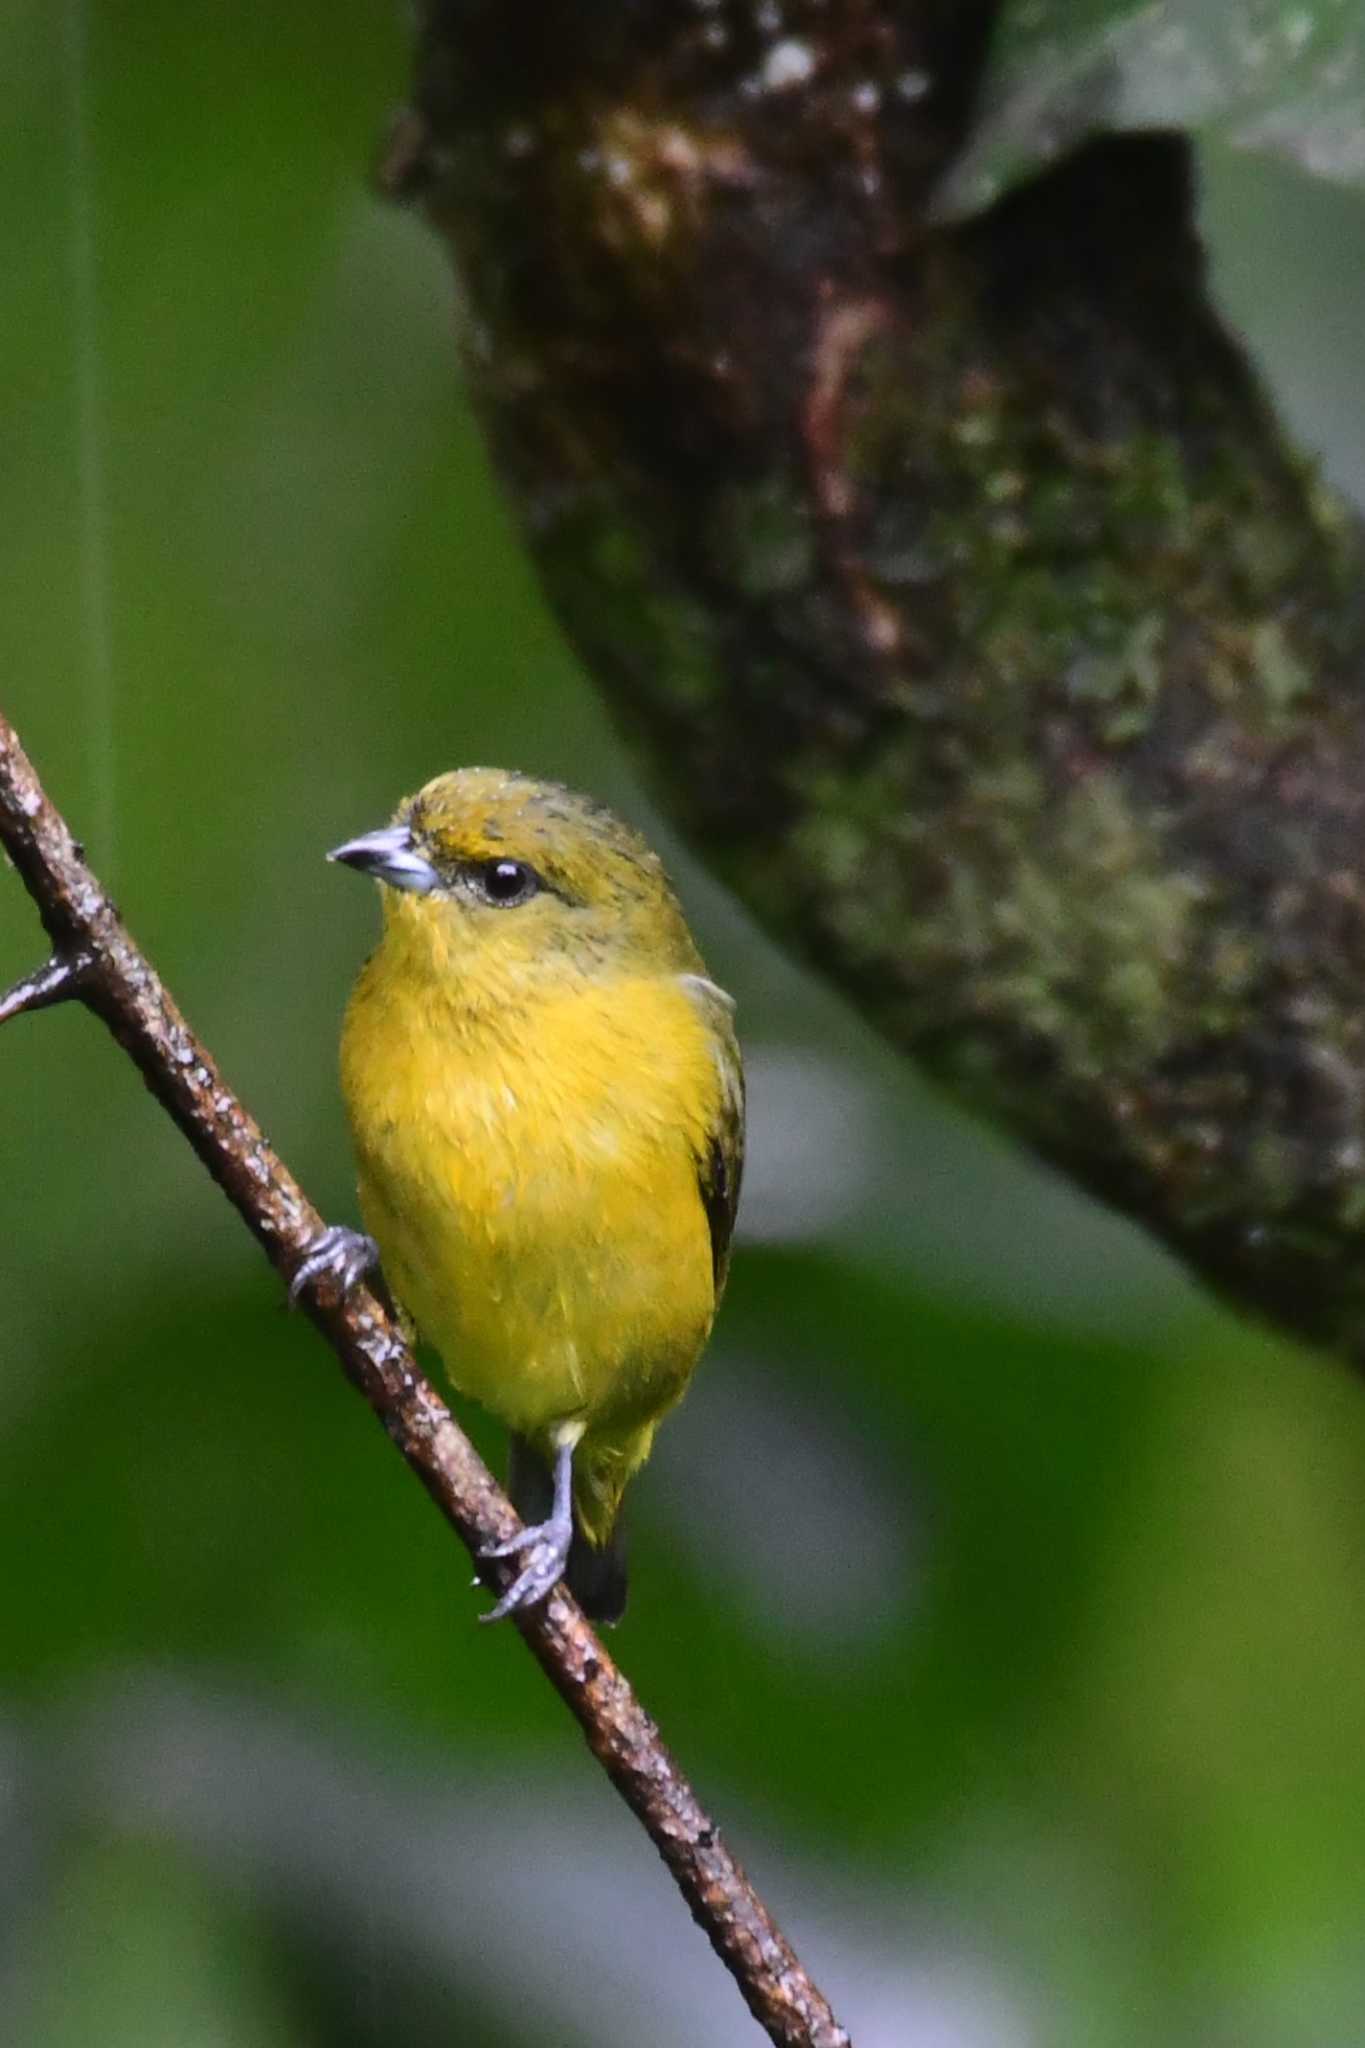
{"points": [[955, 577]]}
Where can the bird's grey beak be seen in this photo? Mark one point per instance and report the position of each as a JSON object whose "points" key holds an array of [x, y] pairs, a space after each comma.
{"points": [[390, 856]]}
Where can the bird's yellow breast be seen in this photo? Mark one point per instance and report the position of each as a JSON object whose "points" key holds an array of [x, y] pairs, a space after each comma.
{"points": [[530, 1176]]}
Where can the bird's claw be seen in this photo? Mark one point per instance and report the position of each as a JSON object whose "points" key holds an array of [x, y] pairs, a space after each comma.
{"points": [[546, 1548], [345, 1257]]}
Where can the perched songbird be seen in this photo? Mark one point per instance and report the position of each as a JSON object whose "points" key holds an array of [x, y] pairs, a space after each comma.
{"points": [[547, 1104]]}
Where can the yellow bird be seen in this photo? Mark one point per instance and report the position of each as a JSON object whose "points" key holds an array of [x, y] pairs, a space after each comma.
{"points": [[547, 1103]]}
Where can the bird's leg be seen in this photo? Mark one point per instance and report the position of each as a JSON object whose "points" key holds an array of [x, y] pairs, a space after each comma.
{"points": [[345, 1257], [545, 1544]]}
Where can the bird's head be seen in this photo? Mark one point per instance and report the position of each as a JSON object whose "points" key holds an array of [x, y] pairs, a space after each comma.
{"points": [[487, 873]]}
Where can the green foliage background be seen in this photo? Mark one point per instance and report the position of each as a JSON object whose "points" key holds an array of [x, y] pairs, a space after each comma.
{"points": [[1005, 1597]]}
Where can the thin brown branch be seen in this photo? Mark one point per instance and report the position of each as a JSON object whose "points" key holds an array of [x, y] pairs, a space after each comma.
{"points": [[96, 960], [58, 980]]}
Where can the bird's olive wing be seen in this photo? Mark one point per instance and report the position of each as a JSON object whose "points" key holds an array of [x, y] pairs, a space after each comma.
{"points": [[720, 1165]]}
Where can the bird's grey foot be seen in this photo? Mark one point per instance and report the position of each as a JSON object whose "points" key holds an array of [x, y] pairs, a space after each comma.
{"points": [[546, 1549], [346, 1257], [545, 1546]]}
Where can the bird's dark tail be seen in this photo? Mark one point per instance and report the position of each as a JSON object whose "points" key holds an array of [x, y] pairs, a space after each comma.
{"points": [[595, 1576]]}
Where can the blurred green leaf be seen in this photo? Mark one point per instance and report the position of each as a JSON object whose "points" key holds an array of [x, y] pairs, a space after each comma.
{"points": [[1268, 75], [137, 1950]]}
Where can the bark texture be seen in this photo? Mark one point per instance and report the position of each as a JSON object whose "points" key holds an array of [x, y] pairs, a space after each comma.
{"points": [[956, 578]]}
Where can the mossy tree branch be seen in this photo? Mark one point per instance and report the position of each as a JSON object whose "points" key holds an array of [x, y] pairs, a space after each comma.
{"points": [[956, 578], [95, 962]]}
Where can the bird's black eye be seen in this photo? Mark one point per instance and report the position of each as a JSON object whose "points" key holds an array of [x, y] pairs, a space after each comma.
{"points": [[506, 882]]}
